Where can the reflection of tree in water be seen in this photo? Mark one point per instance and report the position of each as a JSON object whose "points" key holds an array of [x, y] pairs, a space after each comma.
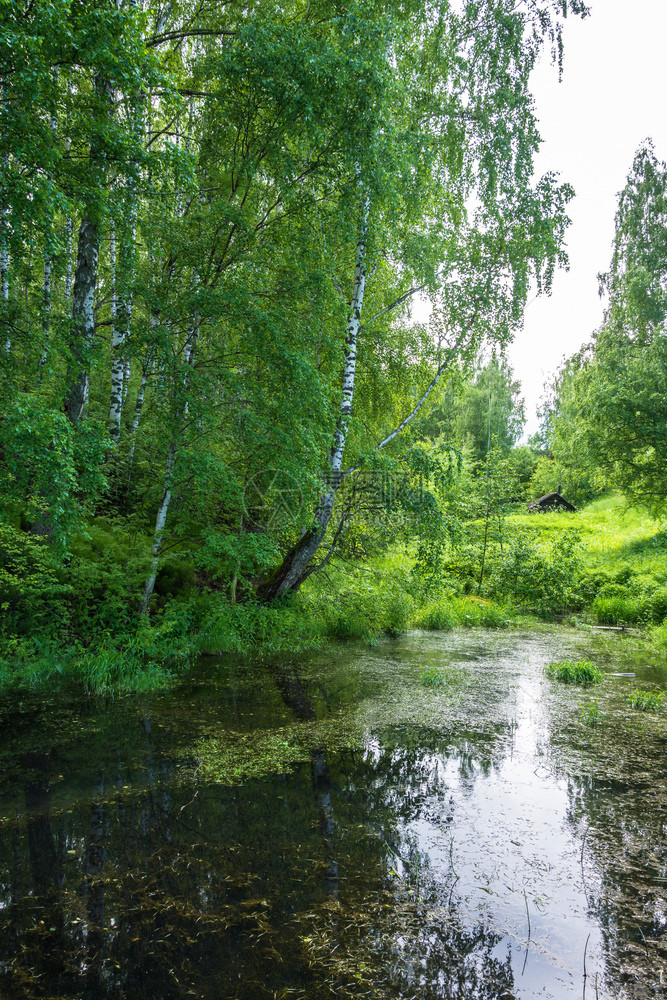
{"points": [[284, 887], [624, 864]]}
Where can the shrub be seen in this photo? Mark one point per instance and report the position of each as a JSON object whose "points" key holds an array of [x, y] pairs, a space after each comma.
{"points": [[544, 578], [364, 612], [658, 636], [31, 594], [485, 614], [582, 672], [657, 605]]}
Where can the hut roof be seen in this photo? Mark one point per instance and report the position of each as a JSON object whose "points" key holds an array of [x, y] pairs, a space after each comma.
{"points": [[551, 500]]}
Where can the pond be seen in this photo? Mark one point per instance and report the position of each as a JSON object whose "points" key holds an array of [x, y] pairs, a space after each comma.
{"points": [[429, 818]]}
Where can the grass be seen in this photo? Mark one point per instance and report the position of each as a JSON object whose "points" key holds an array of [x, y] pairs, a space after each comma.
{"points": [[646, 701], [591, 714], [433, 676], [568, 672]]}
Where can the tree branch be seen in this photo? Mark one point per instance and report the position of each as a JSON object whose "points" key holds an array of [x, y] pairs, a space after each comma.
{"points": [[174, 36], [399, 301]]}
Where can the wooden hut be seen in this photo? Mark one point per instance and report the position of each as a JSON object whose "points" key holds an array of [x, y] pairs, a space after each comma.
{"points": [[552, 501]]}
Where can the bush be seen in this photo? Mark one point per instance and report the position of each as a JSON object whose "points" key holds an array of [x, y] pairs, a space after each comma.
{"points": [[31, 593], [366, 612], [658, 636], [482, 614], [545, 578], [657, 605]]}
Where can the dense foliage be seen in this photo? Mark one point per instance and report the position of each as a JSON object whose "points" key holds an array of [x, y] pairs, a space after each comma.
{"points": [[608, 416], [214, 219]]}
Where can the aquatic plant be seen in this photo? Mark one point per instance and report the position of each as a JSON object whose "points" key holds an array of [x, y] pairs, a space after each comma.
{"points": [[591, 714], [582, 672], [432, 675], [645, 701]]}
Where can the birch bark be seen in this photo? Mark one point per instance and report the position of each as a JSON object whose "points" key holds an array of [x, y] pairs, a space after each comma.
{"points": [[117, 362], [163, 509], [295, 566], [4, 264], [158, 533], [46, 281], [138, 407], [85, 286], [83, 317], [4, 269]]}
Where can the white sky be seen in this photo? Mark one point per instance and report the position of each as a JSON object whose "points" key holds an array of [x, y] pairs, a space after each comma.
{"points": [[613, 95]]}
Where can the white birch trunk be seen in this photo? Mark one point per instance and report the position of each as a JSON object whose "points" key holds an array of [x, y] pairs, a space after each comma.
{"points": [[68, 225], [4, 267], [160, 522], [46, 310], [117, 364], [46, 281], [83, 316], [120, 365], [68, 262], [294, 568], [138, 406]]}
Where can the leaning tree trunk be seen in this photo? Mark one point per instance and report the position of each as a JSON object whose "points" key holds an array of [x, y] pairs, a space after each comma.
{"points": [[295, 567]]}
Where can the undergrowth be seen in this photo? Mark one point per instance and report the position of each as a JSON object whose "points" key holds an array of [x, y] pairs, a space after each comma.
{"points": [[77, 623]]}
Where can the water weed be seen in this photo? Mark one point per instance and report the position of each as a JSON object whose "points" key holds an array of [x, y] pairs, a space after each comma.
{"points": [[432, 675], [568, 672], [591, 714], [646, 701]]}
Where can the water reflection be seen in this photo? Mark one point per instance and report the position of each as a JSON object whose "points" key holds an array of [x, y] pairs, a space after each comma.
{"points": [[450, 860]]}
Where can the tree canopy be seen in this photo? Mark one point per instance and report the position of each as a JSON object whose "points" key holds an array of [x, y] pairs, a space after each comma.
{"points": [[610, 418], [214, 221]]}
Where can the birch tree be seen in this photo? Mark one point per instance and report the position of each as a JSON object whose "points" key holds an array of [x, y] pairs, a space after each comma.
{"points": [[458, 217]]}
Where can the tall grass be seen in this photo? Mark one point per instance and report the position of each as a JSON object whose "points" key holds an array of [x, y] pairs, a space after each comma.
{"points": [[646, 701], [580, 672]]}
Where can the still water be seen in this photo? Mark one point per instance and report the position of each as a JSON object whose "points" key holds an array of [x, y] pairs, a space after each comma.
{"points": [[430, 818]]}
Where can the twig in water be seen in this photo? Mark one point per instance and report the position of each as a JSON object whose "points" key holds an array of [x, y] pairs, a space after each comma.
{"points": [[527, 910], [585, 973]]}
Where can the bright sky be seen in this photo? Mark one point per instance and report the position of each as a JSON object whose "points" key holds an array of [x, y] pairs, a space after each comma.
{"points": [[612, 97]]}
